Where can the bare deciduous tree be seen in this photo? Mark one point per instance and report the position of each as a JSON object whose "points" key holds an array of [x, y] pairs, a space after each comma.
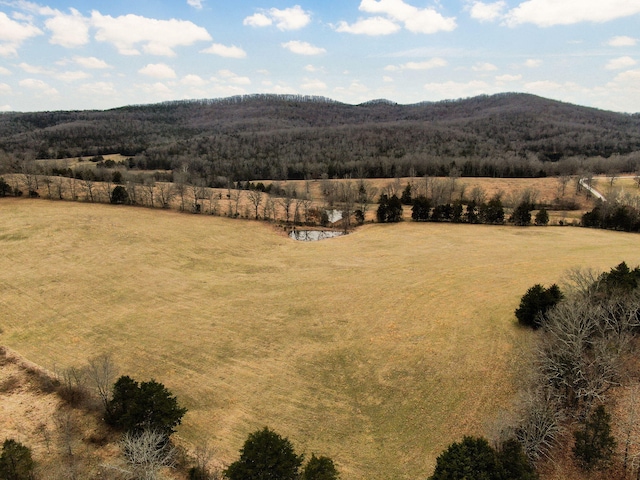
{"points": [[102, 371], [146, 453], [255, 197], [539, 425], [149, 187]]}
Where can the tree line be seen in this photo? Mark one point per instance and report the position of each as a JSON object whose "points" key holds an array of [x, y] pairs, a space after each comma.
{"points": [[583, 360]]}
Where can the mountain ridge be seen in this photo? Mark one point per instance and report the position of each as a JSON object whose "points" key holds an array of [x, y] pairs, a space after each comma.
{"points": [[258, 136]]}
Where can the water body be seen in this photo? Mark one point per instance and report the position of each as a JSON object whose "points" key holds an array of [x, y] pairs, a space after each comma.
{"points": [[334, 215], [313, 235]]}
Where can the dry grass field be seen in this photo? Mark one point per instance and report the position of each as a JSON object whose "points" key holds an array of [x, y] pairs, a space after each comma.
{"points": [[377, 349]]}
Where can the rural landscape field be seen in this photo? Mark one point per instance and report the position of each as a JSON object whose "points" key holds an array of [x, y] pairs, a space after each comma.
{"points": [[377, 349]]}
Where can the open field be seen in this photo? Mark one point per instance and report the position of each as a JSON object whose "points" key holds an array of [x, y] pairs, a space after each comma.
{"points": [[377, 349]]}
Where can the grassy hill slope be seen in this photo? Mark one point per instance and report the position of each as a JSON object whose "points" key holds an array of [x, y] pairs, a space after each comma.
{"points": [[377, 349]]}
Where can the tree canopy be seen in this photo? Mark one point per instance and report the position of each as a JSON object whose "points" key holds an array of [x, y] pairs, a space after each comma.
{"points": [[148, 405], [15, 461], [265, 456], [535, 303]]}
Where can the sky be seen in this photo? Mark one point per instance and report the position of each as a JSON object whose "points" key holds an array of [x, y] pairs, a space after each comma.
{"points": [[80, 54]]}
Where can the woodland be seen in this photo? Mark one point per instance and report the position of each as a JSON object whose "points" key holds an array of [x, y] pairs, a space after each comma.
{"points": [[293, 137]]}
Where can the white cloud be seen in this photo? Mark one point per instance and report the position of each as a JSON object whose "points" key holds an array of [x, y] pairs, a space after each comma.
{"points": [[13, 34], [369, 26], [293, 18], [425, 65], [34, 69], [508, 78], [158, 37], [387, 79], [5, 71], [197, 4], [629, 79], [91, 62], [416, 20], [158, 70], [310, 68], [622, 41], [39, 86], [155, 90], [550, 88], [533, 63], [451, 89], [620, 63], [486, 12], [230, 77], [100, 89], [225, 51], [72, 76], [303, 48], [257, 20], [313, 85], [5, 108], [356, 90], [484, 67], [5, 89], [68, 30], [546, 13], [193, 81]]}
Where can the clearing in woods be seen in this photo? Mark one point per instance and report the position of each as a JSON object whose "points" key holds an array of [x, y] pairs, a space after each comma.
{"points": [[377, 349]]}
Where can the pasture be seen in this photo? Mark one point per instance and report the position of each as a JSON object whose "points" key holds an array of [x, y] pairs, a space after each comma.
{"points": [[377, 349]]}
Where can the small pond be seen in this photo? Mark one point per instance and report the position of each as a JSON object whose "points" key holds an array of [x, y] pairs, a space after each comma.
{"points": [[314, 235]]}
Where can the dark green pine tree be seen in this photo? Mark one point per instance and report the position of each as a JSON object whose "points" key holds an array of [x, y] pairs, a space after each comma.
{"points": [[265, 456], [320, 468], [594, 445]]}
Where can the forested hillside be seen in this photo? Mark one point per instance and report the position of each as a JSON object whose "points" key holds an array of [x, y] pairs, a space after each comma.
{"points": [[290, 137]]}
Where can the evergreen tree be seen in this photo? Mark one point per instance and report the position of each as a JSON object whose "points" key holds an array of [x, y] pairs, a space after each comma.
{"points": [[594, 445], [535, 303], [421, 208], [405, 198], [265, 456], [521, 215], [514, 463], [320, 468], [119, 195], [15, 461], [144, 406], [542, 217], [471, 459], [389, 209], [492, 211]]}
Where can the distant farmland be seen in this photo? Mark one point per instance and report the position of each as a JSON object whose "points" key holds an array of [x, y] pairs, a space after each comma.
{"points": [[377, 349]]}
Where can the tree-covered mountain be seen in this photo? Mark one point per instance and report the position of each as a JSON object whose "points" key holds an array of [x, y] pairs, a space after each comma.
{"points": [[273, 136]]}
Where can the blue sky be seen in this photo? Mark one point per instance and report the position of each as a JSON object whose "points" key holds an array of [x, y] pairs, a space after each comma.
{"points": [[71, 54]]}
